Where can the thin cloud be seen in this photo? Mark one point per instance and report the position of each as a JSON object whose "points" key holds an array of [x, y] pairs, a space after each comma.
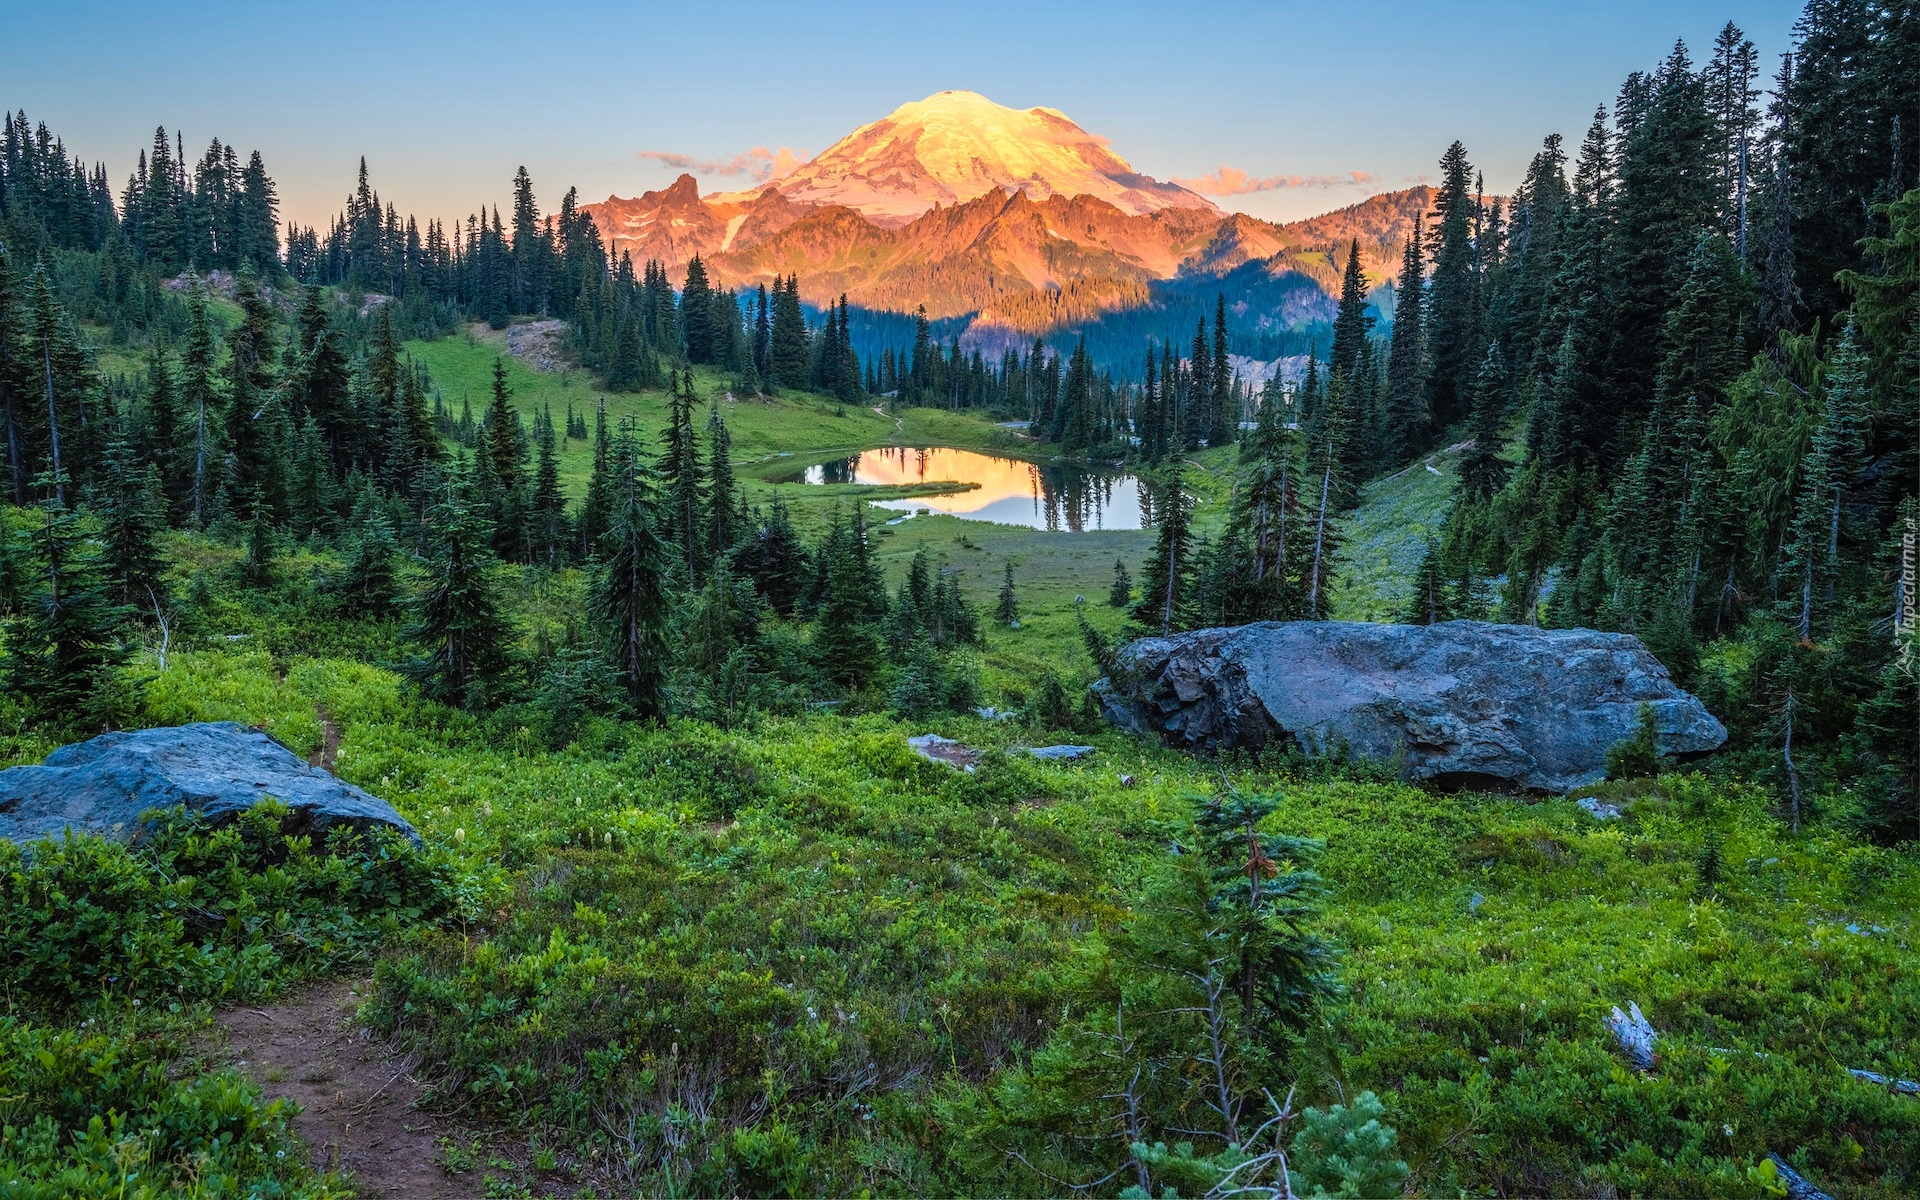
{"points": [[1231, 181], [759, 164]]}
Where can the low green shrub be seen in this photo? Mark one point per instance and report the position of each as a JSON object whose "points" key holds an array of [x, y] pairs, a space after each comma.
{"points": [[197, 913], [101, 1110]]}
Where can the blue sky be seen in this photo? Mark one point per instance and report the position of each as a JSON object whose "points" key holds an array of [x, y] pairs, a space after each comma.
{"points": [[447, 100]]}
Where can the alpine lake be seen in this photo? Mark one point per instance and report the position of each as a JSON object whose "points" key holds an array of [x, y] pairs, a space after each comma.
{"points": [[1055, 497]]}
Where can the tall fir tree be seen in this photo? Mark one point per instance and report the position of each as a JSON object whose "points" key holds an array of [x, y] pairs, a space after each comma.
{"points": [[459, 620], [630, 591], [1407, 419]]}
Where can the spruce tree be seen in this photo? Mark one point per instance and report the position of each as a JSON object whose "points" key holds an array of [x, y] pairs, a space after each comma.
{"points": [[549, 507], [683, 519], [465, 637], [845, 649], [1407, 417], [1452, 318], [596, 510], [1351, 323], [13, 391], [629, 592], [1121, 593], [368, 584], [1827, 474], [1482, 470], [776, 559], [696, 305], [62, 654], [1223, 418], [257, 567], [255, 460], [133, 515], [1428, 603], [1263, 892], [723, 493], [1007, 609], [787, 336], [160, 433], [1168, 573], [1266, 532]]}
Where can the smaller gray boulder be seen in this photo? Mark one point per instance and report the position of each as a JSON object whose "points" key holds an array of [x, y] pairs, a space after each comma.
{"points": [[1061, 753], [216, 769]]}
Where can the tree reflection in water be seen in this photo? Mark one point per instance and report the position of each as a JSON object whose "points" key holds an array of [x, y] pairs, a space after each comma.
{"points": [[1009, 491]]}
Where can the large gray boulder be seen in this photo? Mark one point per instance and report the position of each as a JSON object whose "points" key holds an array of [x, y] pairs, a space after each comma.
{"points": [[1460, 703], [216, 769]]}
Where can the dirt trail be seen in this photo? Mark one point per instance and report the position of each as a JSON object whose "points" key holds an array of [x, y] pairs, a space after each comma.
{"points": [[357, 1101], [330, 735]]}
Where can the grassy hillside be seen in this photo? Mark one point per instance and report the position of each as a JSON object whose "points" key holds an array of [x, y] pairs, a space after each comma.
{"points": [[1383, 539], [793, 958], [798, 423], [859, 951]]}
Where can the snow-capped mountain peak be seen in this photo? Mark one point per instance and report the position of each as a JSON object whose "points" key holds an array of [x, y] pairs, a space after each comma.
{"points": [[955, 146]]}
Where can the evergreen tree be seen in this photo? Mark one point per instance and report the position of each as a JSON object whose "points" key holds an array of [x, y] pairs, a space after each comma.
{"points": [[466, 638], [159, 442], [787, 336], [1266, 536], [257, 568], [1833, 461], [1407, 418], [596, 510], [1351, 324], [630, 595], [1482, 470], [368, 584], [132, 516], [311, 492], [1451, 322], [1007, 609], [1168, 574], [683, 521], [1262, 893], [1428, 604], [62, 654], [549, 508], [1121, 593], [726, 515], [696, 306], [1223, 417], [254, 476], [845, 648], [776, 559]]}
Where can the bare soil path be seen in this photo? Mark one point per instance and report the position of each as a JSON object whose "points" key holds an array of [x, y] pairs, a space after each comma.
{"points": [[330, 736], [356, 1100]]}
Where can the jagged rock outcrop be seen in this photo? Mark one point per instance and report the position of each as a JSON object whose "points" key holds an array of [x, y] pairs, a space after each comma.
{"points": [[216, 769], [1462, 702]]}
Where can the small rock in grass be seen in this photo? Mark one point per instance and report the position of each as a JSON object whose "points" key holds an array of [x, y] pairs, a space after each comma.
{"points": [[1599, 809], [1060, 753], [938, 749]]}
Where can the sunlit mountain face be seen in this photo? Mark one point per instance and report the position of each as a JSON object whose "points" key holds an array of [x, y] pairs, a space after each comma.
{"points": [[1005, 491], [1007, 224], [957, 146]]}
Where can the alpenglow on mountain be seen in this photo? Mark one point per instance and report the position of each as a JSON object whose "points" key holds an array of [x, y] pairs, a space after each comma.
{"points": [[956, 146], [1014, 222]]}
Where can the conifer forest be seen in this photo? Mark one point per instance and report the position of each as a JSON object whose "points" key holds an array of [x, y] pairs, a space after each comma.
{"points": [[737, 652]]}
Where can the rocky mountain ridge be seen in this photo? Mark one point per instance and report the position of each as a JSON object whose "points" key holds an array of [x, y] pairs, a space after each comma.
{"points": [[1020, 222]]}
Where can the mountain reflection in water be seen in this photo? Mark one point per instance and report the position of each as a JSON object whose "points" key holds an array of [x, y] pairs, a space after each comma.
{"points": [[1050, 496]]}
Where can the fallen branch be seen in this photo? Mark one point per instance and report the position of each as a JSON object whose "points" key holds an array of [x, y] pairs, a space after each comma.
{"points": [[1798, 1186], [1900, 1087]]}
